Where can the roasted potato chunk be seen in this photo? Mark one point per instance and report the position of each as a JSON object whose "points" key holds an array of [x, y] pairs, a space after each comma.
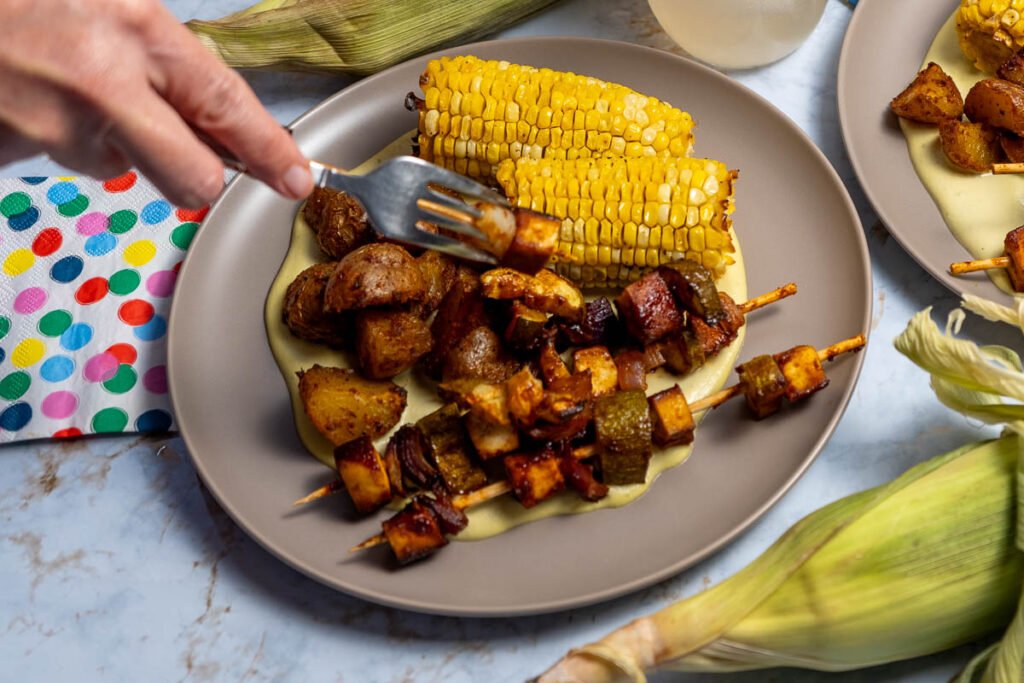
{"points": [[1012, 69], [671, 417], [389, 342], [1012, 146], [339, 221], [931, 98], [462, 310], [534, 477], [344, 406], [803, 372], [481, 355], [604, 375], [414, 533], [438, 275], [374, 275], [362, 470], [969, 146], [648, 309], [304, 309], [997, 103]]}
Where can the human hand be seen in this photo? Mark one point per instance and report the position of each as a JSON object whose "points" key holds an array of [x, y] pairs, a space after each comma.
{"points": [[105, 85]]}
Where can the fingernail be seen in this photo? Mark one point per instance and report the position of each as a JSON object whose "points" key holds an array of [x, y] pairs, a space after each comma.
{"points": [[298, 181]]}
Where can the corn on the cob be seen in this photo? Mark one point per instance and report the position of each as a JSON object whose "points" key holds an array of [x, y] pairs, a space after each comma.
{"points": [[476, 113], [918, 565], [990, 31], [351, 36], [621, 217]]}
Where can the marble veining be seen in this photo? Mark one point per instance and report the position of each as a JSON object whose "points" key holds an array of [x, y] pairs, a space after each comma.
{"points": [[116, 564]]}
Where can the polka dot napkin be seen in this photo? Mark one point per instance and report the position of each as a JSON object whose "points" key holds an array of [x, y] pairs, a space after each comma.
{"points": [[87, 269]]}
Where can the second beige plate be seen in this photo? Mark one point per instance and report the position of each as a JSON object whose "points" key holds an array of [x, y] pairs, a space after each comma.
{"points": [[795, 222], [883, 50]]}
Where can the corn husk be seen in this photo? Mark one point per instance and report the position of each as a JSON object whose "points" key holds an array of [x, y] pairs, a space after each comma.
{"points": [[926, 562], [351, 36]]}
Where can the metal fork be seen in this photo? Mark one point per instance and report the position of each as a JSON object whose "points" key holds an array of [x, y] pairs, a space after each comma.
{"points": [[401, 193], [397, 196]]}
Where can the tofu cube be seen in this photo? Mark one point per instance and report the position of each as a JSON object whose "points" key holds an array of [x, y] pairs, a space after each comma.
{"points": [[803, 372], [362, 470], [604, 374], [1014, 247], [525, 393], [671, 418], [534, 477], [414, 533], [491, 440]]}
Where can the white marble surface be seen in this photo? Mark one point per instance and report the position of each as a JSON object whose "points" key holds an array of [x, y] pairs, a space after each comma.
{"points": [[115, 564]]}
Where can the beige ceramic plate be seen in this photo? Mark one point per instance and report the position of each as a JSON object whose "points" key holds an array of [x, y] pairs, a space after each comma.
{"points": [[795, 222], [883, 50]]}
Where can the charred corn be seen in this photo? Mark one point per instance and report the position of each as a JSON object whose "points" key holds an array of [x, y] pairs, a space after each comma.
{"points": [[477, 113], [990, 31], [622, 217]]}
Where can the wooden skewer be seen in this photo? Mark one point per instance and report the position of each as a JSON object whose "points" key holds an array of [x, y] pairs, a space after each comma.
{"points": [[322, 492], [754, 304], [500, 488], [980, 264], [446, 211], [786, 290], [1006, 169]]}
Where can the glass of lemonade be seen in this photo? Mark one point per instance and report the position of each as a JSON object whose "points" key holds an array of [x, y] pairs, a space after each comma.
{"points": [[738, 34]]}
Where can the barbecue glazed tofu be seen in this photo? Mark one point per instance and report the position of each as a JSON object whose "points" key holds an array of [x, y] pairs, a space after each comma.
{"points": [[671, 418], [1014, 247], [534, 477], [362, 470], [604, 375], [414, 533], [803, 372]]}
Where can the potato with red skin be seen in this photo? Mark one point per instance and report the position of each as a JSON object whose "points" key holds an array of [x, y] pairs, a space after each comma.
{"points": [[439, 272], [931, 98], [339, 221], [479, 354], [374, 275], [462, 310], [304, 309], [969, 146]]}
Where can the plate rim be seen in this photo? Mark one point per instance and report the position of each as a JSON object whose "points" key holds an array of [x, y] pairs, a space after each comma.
{"points": [[619, 590]]}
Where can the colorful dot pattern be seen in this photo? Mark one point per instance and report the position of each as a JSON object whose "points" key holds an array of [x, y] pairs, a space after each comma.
{"points": [[87, 273]]}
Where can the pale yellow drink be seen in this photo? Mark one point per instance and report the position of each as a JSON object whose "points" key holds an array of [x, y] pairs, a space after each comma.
{"points": [[738, 34]]}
